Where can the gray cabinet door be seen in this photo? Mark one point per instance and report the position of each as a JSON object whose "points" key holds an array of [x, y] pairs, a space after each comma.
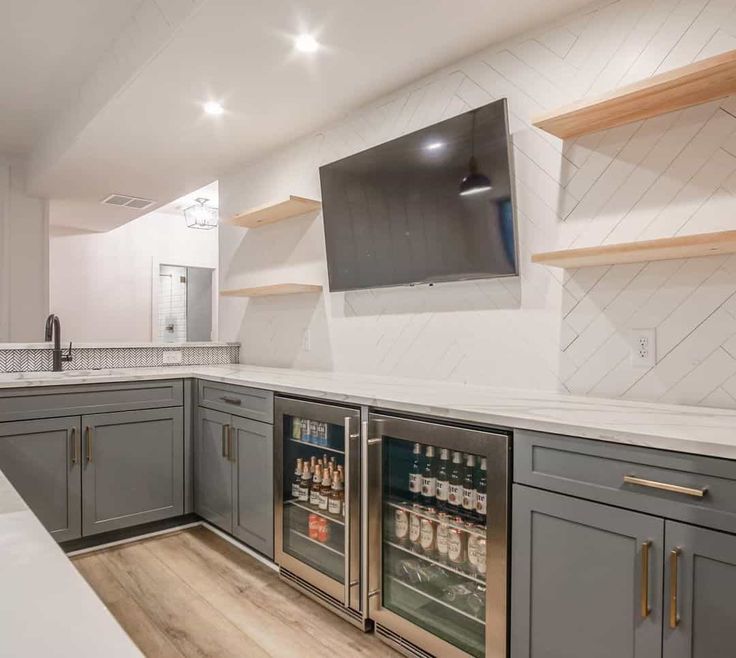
{"points": [[213, 489], [253, 482], [133, 468], [41, 460], [577, 579], [700, 621]]}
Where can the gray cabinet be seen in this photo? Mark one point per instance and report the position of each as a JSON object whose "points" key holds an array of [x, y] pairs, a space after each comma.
{"points": [[581, 573], [133, 468], [41, 458], [213, 469], [233, 483], [253, 483], [700, 614]]}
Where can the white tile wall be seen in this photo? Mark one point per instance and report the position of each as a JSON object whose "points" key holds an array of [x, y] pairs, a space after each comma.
{"points": [[670, 175], [172, 304]]}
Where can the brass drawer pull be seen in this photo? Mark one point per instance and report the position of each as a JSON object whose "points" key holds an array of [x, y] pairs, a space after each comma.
{"points": [[229, 400], [674, 559], [645, 609], [666, 486]]}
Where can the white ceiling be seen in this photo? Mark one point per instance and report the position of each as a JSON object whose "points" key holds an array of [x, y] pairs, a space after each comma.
{"points": [[47, 50], [151, 138]]}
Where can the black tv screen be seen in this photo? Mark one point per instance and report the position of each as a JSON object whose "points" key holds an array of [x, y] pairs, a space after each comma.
{"points": [[434, 205]]}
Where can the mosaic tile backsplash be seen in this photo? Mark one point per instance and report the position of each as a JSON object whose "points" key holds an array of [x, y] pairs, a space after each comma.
{"points": [[95, 358]]}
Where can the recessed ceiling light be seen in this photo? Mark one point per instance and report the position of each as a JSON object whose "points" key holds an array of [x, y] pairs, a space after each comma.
{"points": [[214, 108], [433, 146], [306, 43]]}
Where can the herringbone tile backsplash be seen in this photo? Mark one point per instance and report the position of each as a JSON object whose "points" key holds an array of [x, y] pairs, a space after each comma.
{"points": [[549, 329], [32, 360]]}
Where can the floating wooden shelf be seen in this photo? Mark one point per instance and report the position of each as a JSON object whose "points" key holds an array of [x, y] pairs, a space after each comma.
{"points": [[703, 81], [686, 246], [271, 213], [276, 289]]}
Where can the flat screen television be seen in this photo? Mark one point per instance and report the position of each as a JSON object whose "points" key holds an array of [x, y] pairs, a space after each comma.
{"points": [[434, 205]]}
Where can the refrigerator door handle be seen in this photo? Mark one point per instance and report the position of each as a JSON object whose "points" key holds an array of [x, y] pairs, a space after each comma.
{"points": [[372, 525], [348, 528]]}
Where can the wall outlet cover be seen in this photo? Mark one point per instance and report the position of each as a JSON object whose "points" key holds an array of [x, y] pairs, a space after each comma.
{"points": [[643, 348], [172, 357]]}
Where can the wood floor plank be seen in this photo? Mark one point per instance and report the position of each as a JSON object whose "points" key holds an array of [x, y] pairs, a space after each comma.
{"points": [[191, 593]]}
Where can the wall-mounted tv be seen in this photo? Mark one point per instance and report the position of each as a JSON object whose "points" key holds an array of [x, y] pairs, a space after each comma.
{"points": [[434, 205]]}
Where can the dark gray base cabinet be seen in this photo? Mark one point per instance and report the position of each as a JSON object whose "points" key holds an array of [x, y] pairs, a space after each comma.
{"points": [[595, 580], [233, 482], [133, 468], [42, 460]]}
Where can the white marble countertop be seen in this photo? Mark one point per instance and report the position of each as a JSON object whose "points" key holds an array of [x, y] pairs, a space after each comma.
{"points": [[699, 430], [46, 607], [108, 346]]}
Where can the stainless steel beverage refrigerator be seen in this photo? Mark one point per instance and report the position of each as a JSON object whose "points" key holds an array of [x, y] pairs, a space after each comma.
{"points": [[318, 520], [437, 536]]}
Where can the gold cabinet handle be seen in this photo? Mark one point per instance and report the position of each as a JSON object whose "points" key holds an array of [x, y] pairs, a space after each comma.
{"points": [[644, 593], [88, 442], [73, 439], [225, 442], [674, 568], [666, 486], [230, 443]]}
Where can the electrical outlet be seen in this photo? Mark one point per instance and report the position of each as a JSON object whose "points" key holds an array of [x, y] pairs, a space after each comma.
{"points": [[172, 357], [643, 348]]}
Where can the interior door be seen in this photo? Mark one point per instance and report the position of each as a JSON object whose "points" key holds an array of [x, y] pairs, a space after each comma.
{"points": [[133, 468], [586, 579], [700, 577], [41, 458], [213, 490], [252, 444]]}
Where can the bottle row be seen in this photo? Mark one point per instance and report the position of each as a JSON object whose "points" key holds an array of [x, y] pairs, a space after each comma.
{"points": [[440, 584], [447, 539], [311, 431], [319, 483], [458, 487]]}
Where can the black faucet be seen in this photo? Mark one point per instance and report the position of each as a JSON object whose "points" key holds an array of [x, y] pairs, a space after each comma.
{"points": [[53, 330]]}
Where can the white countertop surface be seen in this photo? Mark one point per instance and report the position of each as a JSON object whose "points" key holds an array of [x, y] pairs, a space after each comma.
{"points": [[46, 607], [699, 430]]}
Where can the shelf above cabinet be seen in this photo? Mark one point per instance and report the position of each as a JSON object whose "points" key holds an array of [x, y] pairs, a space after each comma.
{"points": [[686, 246], [700, 82], [271, 213], [276, 289]]}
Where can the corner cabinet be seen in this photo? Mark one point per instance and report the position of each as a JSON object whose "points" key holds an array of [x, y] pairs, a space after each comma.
{"points": [[626, 573], [233, 457]]}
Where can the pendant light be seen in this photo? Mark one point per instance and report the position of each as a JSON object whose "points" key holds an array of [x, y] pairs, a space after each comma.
{"points": [[200, 215], [475, 182]]}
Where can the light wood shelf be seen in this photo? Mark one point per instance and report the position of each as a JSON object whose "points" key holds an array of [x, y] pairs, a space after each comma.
{"points": [[276, 289], [686, 246], [703, 81], [271, 213]]}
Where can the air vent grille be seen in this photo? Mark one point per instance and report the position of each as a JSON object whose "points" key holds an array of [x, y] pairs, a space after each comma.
{"points": [[125, 201]]}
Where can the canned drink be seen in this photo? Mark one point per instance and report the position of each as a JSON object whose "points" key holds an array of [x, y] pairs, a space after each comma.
{"points": [[473, 547], [443, 534], [323, 530], [415, 527], [427, 535], [457, 543], [314, 526], [480, 567], [401, 526]]}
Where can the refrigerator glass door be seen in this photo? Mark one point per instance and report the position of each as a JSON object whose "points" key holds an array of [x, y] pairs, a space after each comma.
{"points": [[432, 504]]}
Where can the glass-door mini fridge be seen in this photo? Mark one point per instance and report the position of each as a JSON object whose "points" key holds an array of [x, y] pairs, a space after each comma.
{"points": [[437, 536], [317, 503]]}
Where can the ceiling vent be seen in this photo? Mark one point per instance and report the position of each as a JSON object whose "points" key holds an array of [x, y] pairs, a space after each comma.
{"points": [[124, 201]]}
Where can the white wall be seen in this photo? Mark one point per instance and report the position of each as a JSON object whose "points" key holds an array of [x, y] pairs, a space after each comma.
{"points": [[101, 283], [548, 329], [23, 257]]}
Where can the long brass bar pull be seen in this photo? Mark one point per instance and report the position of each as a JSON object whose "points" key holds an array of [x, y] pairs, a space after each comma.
{"points": [[644, 593], [666, 486], [225, 442], [674, 568], [88, 442], [73, 439]]}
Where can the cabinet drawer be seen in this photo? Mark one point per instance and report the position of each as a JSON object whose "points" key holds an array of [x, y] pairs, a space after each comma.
{"points": [[699, 490], [75, 400], [243, 401]]}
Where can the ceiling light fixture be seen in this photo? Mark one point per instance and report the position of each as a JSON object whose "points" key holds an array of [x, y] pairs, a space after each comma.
{"points": [[306, 43], [476, 181], [433, 146], [214, 108], [200, 215]]}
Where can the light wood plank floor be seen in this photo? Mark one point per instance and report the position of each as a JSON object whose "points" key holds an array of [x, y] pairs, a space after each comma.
{"points": [[193, 594]]}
